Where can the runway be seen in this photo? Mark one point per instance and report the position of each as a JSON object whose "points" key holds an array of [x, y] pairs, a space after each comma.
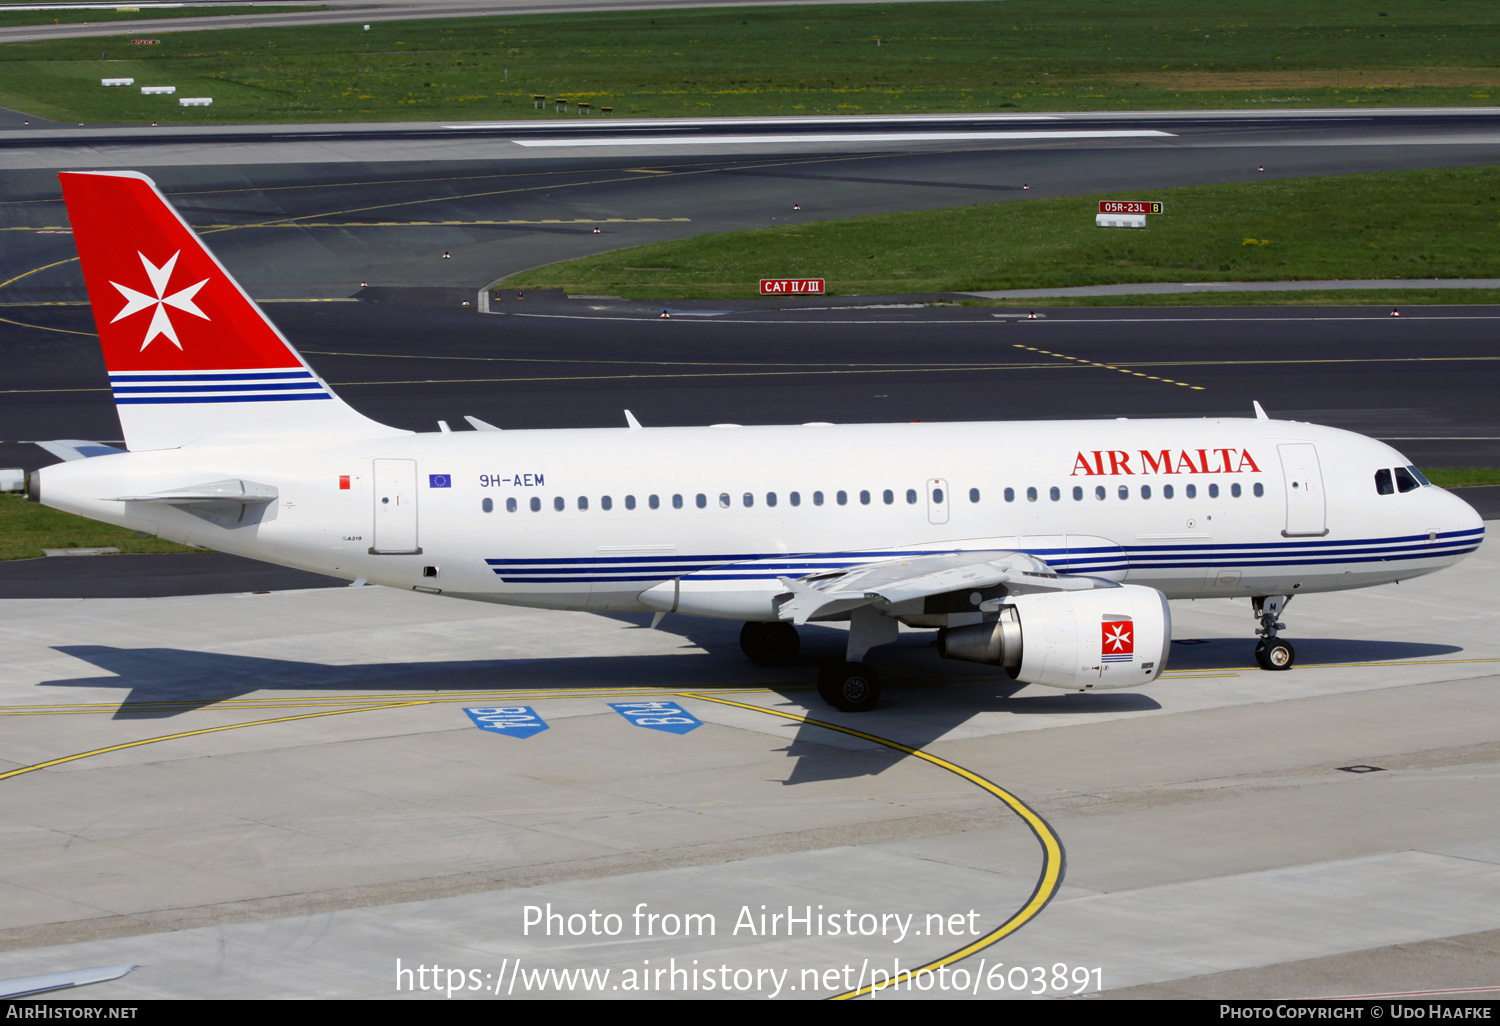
{"points": [[281, 794]]}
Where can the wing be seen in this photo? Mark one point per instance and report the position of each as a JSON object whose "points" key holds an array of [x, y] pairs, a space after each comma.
{"points": [[891, 582]]}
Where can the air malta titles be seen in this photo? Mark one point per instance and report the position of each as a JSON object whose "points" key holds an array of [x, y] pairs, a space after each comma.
{"points": [[1163, 461]]}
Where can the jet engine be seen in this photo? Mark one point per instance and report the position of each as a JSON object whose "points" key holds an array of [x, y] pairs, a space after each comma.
{"points": [[1102, 638]]}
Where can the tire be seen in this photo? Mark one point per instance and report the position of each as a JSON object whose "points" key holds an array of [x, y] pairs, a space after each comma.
{"points": [[780, 645], [1275, 654], [849, 687], [771, 644], [752, 636]]}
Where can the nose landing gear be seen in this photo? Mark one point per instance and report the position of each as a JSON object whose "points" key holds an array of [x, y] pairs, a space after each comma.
{"points": [[1271, 652]]}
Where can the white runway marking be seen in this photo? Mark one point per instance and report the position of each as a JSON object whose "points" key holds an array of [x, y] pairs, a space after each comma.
{"points": [[863, 137]]}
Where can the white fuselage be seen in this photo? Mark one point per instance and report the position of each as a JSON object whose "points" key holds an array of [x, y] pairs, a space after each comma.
{"points": [[611, 519]]}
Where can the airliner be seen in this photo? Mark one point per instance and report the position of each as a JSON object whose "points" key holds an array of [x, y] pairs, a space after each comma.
{"points": [[1048, 549]]}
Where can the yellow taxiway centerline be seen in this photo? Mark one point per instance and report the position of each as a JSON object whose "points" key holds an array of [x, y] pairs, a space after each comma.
{"points": [[1052, 852], [192, 733]]}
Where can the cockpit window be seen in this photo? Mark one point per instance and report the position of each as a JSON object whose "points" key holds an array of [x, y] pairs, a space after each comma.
{"points": [[1404, 481], [1383, 484], [1419, 476]]}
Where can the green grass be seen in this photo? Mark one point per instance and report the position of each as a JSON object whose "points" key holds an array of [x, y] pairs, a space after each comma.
{"points": [[1013, 56], [1404, 224], [26, 528], [1384, 298], [1462, 477], [75, 17]]}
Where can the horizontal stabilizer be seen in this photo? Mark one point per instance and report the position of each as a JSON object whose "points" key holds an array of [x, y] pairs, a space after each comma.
{"points": [[77, 448], [214, 491], [20, 986]]}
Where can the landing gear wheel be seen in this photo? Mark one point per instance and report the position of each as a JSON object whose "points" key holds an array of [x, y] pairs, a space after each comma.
{"points": [[1275, 654], [771, 644], [849, 687]]}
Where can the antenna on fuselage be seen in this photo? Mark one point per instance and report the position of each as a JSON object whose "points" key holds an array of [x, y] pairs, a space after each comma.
{"points": [[1260, 414], [631, 422]]}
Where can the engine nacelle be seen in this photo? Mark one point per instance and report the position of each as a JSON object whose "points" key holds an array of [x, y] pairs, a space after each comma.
{"points": [[1102, 638]]}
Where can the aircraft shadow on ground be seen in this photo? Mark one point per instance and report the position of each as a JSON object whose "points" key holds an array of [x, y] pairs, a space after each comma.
{"points": [[926, 698], [1190, 654]]}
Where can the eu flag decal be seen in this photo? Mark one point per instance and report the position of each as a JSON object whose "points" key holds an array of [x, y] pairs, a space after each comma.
{"points": [[667, 716], [439, 480], [515, 720]]}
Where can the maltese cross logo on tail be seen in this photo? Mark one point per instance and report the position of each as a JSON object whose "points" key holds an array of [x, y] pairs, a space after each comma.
{"points": [[1118, 642], [161, 321]]}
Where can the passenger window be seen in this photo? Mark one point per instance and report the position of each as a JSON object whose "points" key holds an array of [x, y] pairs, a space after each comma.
{"points": [[510, 505], [536, 504], [1259, 489], [676, 502], [655, 502], [1213, 491], [605, 502], [864, 497], [1404, 481], [630, 501], [1124, 492], [1166, 491], [795, 498], [748, 499], [1099, 492], [723, 500], [583, 502], [1010, 495], [1235, 490], [1054, 493], [889, 496], [701, 500], [488, 505], [1191, 491], [558, 503], [1077, 493], [1145, 491], [937, 496], [770, 498], [1031, 495], [973, 495], [842, 498], [817, 498], [911, 496]]}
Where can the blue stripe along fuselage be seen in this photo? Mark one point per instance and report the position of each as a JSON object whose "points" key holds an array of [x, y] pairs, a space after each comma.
{"points": [[1097, 559]]}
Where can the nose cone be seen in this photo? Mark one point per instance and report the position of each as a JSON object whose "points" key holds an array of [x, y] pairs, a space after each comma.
{"points": [[1464, 516], [1459, 521]]}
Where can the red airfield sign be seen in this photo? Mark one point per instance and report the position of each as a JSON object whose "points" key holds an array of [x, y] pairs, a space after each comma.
{"points": [[790, 286]]}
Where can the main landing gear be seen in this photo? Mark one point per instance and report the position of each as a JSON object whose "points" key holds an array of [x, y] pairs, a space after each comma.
{"points": [[771, 644], [848, 684], [1271, 652]]}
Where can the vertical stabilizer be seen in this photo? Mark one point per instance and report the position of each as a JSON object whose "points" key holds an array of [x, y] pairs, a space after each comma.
{"points": [[191, 357]]}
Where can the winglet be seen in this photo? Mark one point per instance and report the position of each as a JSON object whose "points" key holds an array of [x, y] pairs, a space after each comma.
{"points": [[1260, 414]]}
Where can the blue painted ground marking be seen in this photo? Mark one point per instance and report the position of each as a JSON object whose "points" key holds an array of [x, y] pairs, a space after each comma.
{"points": [[515, 720], [668, 716]]}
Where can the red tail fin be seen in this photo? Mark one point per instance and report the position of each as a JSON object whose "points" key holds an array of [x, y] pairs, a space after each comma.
{"points": [[190, 355]]}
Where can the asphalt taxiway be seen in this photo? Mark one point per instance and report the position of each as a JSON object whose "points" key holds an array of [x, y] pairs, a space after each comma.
{"points": [[283, 795]]}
